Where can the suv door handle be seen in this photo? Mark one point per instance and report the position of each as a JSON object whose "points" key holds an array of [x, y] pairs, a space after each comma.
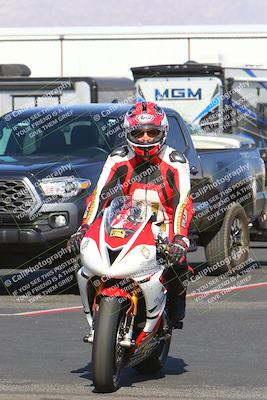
{"points": [[193, 170]]}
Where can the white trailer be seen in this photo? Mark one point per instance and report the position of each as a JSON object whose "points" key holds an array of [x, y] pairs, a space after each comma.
{"points": [[112, 51], [212, 98], [21, 92], [217, 98]]}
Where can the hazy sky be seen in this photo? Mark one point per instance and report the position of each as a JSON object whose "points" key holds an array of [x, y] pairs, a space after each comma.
{"points": [[30, 13]]}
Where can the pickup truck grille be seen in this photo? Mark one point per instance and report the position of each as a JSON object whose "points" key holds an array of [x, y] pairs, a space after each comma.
{"points": [[16, 199]]}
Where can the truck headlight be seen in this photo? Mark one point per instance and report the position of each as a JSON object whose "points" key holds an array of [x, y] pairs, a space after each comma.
{"points": [[64, 187]]}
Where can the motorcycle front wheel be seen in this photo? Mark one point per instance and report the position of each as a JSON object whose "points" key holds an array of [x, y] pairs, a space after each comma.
{"points": [[107, 355]]}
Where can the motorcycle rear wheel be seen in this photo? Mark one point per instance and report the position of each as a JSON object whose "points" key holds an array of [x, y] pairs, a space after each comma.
{"points": [[107, 355]]}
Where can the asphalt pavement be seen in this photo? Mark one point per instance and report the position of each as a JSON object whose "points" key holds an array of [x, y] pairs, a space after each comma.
{"points": [[220, 353]]}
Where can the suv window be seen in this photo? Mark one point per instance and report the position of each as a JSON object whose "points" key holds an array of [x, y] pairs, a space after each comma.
{"points": [[41, 133]]}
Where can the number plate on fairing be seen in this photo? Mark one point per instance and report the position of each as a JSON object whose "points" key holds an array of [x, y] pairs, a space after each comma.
{"points": [[118, 233]]}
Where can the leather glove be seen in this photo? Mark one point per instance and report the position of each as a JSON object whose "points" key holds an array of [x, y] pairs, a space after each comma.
{"points": [[74, 242], [178, 249]]}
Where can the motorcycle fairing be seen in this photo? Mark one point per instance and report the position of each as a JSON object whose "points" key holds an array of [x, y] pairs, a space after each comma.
{"points": [[136, 260], [95, 257]]}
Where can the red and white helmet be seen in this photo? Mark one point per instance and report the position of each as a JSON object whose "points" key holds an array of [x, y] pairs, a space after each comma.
{"points": [[146, 117]]}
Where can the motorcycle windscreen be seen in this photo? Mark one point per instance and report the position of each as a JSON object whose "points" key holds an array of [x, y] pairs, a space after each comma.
{"points": [[123, 218]]}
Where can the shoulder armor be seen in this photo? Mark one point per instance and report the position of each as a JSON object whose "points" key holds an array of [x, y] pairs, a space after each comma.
{"points": [[120, 151], [176, 156]]}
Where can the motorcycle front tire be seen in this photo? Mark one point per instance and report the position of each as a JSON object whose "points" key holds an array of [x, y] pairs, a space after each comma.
{"points": [[106, 350]]}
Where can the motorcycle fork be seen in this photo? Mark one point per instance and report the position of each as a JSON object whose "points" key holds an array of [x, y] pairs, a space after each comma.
{"points": [[95, 307], [127, 340], [99, 289]]}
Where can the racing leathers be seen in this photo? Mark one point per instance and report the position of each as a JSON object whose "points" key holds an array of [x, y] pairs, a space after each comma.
{"points": [[164, 181]]}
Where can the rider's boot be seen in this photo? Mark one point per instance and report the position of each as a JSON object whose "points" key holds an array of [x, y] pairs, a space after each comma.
{"points": [[176, 307]]}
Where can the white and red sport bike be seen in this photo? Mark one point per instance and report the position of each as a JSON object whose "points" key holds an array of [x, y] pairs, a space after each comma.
{"points": [[122, 291]]}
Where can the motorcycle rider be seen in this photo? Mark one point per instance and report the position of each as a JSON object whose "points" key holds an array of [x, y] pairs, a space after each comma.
{"points": [[148, 169]]}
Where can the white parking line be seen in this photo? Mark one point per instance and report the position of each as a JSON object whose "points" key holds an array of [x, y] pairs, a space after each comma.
{"points": [[194, 294], [41, 312], [228, 289]]}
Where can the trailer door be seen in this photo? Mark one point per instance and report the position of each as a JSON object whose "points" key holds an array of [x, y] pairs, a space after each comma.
{"points": [[197, 99]]}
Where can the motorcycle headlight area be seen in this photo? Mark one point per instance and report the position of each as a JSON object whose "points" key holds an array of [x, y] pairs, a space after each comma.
{"points": [[63, 187]]}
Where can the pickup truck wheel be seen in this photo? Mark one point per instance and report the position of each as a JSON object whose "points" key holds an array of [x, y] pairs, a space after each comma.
{"points": [[230, 246]]}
